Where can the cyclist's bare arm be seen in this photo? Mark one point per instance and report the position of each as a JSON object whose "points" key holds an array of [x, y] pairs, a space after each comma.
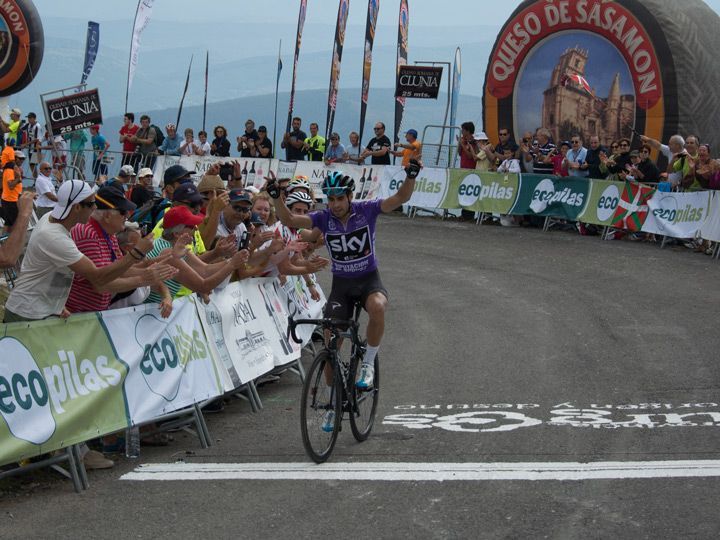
{"points": [[401, 197]]}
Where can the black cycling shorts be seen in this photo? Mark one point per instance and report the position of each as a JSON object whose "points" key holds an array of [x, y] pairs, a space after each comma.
{"points": [[346, 291]]}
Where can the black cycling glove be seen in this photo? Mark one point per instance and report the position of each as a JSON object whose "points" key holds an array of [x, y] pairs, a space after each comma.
{"points": [[273, 189], [413, 169]]}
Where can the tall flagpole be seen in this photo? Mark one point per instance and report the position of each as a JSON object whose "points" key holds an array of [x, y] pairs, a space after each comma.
{"points": [[182, 99], [207, 62], [277, 89]]}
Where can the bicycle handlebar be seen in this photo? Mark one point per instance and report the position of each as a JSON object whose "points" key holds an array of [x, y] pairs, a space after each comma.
{"points": [[325, 323]]}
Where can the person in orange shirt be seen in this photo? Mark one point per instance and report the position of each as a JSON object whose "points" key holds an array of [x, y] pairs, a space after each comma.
{"points": [[12, 189], [412, 149], [8, 154]]}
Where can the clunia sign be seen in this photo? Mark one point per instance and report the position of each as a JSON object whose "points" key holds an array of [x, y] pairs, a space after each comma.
{"points": [[71, 113]]}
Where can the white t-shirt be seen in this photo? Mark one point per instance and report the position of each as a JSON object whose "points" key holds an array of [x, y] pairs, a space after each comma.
{"points": [[674, 177], [44, 283], [510, 166], [205, 147], [44, 185]]}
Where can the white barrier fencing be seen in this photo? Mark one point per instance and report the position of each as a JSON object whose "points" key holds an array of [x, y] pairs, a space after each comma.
{"points": [[65, 381]]}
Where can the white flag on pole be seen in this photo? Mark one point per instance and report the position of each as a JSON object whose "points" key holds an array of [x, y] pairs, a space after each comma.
{"points": [[142, 17]]}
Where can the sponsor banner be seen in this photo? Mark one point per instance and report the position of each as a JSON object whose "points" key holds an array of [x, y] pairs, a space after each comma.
{"points": [[21, 46], [402, 59], [316, 171], [142, 18], [482, 191], [57, 391], [632, 208], [551, 196], [73, 112], [373, 9], [710, 230], [418, 82], [284, 349], [170, 364], [343, 9], [295, 297], [679, 215], [92, 44], [456, 76], [199, 165], [431, 185], [603, 202]]}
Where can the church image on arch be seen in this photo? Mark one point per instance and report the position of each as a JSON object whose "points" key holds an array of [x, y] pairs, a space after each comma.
{"points": [[571, 107]]}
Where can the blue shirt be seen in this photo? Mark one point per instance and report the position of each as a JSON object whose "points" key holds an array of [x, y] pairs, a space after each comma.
{"points": [[351, 246], [335, 152], [98, 143], [171, 146], [580, 156]]}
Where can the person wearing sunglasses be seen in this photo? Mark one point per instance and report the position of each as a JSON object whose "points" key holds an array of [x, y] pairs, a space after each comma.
{"points": [[619, 161], [52, 259], [378, 148]]}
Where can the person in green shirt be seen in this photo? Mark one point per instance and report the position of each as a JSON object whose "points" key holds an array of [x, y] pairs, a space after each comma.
{"points": [[12, 127], [77, 141], [314, 144]]}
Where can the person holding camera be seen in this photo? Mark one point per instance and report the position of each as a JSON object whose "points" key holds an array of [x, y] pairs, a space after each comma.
{"points": [[576, 158]]}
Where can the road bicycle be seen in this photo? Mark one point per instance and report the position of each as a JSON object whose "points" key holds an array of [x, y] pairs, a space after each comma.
{"points": [[330, 386]]}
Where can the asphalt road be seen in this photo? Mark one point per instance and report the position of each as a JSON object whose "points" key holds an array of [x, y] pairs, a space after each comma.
{"points": [[508, 346]]}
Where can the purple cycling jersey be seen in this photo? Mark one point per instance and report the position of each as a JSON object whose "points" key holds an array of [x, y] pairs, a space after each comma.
{"points": [[351, 246]]}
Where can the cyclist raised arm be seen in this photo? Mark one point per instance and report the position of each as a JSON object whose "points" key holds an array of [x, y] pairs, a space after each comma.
{"points": [[349, 231]]}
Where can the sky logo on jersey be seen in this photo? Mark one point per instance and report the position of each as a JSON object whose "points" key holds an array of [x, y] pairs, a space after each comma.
{"points": [[349, 246]]}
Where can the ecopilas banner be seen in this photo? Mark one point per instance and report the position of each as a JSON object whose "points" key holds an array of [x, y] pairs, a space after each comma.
{"points": [[679, 215], [57, 390], [482, 191], [603, 201], [710, 230], [551, 196], [431, 185]]}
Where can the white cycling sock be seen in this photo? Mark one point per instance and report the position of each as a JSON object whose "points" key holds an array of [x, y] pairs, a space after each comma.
{"points": [[370, 354]]}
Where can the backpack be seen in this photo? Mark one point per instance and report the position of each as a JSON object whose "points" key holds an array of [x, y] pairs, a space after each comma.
{"points": [[151, 212], [159, 137]]}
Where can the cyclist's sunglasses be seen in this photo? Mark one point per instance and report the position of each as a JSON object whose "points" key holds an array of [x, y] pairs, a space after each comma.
{"points": [[335, 192]]}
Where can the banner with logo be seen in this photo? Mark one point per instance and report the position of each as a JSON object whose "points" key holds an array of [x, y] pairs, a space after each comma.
{"points": [[679, 215], [402, 57], [170, 364], [431, 185], [373, 9], [603, 202], [482, 191], [418, 82], [61, 383], [253, 170], [343, 10], [73, 112], [298, 42], [92, 44], [142, 18], [710, 230], [551, 196], [298, 304]]}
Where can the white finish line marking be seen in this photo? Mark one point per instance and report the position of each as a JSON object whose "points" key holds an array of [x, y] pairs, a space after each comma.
{"points": [[426, 472]]}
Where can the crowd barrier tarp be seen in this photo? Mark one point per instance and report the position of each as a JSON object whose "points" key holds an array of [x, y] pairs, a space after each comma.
{"points": [[679, 215], [199, 165], [632, 210], [482, 191], [553, 196], [603, 201], [295, 297], [710, 230], [61, 383], [431, 186], [170, 364], [367, 178]]}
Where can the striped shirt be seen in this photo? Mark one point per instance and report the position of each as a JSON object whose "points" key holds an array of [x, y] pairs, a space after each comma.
{"points": [[174, 286], [544, 168], [102, 249]]}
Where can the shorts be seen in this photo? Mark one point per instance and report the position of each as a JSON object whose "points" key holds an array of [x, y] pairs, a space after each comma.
{"points": [[346, 291], [9, 212]]}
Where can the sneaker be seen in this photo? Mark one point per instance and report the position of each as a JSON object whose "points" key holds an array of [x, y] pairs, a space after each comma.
{"points": [[328, 421], [95, 460], [367, 376]]}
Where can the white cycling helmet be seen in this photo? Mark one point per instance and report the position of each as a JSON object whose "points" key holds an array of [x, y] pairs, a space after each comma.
{"points": [[298, 197], [299, 182]]}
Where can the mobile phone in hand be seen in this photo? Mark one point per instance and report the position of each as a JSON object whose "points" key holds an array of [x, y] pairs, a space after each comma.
{"points": [[244, 240]]}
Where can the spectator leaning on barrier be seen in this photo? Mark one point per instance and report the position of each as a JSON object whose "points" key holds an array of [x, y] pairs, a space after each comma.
{"points": [[524, 151], [510, 163], [576, 159], [705, 167], [188, 147], [220, 145], [202, 146], [244, 144], [215, 199], [77, 141], [171, 144], [100, 145], [11, 129], [468, 146], [645, 170], [411, 148], [335, 152], [685, 163], [96, 240], [294, 141], [145, 140], [675, 146], [497, 153], [11, 248], [12, 189], [127, 133], [124, 178], [52, 259], [45, 190], [559, 159], [151, 215], [482, 162], [263, 146], [32, 143], [353, 151], [315, 144], [592, 158], [540, 152], [378, 148]]}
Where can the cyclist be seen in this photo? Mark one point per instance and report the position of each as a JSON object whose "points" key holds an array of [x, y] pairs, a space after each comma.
{"points": [[349, 229]]}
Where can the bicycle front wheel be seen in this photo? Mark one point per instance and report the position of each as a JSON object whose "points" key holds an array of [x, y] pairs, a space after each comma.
{"points": [[320, 408], [363, 401]]}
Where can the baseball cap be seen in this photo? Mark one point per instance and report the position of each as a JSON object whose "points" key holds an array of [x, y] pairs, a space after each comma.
{"points": [[16, 111], [480, 136], [187, 193], [181, 215], [240, 195], [175, 173], [255, 219], [126, 170], [412, 132], [19, 154], [70, 193], [634, 153], [262, 128], [113, 198], [145, 171]]}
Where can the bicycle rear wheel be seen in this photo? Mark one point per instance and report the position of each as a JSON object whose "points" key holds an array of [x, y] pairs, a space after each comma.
{"points": [[363, 401], [320, 399]]}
